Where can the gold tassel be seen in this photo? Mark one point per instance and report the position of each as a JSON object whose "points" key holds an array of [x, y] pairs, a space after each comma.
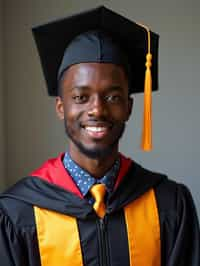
{"points": [[146, 143], [147, 116]]}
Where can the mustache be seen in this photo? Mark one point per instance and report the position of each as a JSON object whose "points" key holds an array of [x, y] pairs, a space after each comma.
{"points": [[97, 122]]}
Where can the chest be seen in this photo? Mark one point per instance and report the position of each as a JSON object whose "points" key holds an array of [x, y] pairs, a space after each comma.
{"points": [[130, 236]]}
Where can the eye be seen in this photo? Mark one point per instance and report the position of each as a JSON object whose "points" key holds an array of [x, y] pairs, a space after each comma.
{"points": [[113, 98], [80, 98]]}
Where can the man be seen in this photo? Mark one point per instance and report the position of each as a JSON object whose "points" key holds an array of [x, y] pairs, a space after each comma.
{"points": [[92, 205]]}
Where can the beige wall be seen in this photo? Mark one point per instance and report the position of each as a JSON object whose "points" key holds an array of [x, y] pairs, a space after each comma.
{"points": [[33, 131], [2, 117]]}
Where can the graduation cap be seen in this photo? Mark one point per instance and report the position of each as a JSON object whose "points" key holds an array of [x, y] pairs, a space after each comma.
{"points": [[103, 36]]}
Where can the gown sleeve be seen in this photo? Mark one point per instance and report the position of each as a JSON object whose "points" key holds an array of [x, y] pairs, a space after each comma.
{"points": [[186, 246], [10, 245]]}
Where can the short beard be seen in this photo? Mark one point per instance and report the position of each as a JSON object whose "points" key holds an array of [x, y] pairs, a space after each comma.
{"points": [[96, 153]]}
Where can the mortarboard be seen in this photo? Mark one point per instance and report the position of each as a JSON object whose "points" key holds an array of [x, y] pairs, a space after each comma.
{"points": [[101, 35]]}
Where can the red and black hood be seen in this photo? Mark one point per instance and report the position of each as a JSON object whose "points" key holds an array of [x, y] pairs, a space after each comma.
{"points": [[51, 187]]}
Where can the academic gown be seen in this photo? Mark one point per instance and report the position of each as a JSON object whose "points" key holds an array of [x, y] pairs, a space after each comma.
{"points": [[50, 187]]}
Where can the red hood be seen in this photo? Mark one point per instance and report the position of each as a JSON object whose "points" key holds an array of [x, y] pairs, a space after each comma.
{"points": [[54, 172]]}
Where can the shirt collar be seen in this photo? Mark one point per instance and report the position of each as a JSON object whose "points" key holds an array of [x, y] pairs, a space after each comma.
{"points": [[84, 180]]}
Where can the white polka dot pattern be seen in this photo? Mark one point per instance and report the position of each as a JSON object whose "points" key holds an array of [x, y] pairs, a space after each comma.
{"points": [[84, 180]]}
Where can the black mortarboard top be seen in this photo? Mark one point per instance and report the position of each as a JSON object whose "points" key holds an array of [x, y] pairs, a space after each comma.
{"points": [[101, 35]]}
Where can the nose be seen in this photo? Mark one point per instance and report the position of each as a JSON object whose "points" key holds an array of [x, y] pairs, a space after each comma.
{"points": [[97, 107]]}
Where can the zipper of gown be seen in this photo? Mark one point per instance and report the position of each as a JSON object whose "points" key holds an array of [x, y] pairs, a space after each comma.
{"points": [[103, 242]]}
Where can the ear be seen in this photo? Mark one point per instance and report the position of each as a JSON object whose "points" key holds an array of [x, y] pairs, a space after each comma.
{"points": [[130, 107], [59, 108]]}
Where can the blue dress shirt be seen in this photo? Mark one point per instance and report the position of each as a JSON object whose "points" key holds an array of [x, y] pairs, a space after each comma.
{"points": [[85, 181]]}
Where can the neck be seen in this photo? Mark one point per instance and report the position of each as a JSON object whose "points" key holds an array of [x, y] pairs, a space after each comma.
{"points": [[96, 167]]}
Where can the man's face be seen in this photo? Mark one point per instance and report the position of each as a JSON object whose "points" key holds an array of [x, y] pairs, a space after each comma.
{"points": [[95, 106]]}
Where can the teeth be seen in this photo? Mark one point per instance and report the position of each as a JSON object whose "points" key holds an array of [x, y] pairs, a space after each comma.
{"points": [[95, 129]]}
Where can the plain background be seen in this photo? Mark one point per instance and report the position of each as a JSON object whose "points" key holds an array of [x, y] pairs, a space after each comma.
{"points": [[29, 129]]}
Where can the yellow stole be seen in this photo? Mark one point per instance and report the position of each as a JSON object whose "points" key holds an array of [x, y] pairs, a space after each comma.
{"points": [[59, 242], [143, 229]]}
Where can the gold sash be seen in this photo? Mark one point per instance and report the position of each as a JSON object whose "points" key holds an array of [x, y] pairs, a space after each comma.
{"points": [[143, 230], [59, 242], [58, 238]]}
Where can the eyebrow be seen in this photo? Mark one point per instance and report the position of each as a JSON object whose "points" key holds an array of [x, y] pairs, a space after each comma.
{"points": [[114, 88], [79, 88], [109, 88]]}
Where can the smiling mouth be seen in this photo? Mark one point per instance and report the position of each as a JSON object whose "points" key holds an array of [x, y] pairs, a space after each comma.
{"points": [[97, 132]]}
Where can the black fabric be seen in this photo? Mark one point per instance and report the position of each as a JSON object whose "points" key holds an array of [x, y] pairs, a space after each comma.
{"points": [[18, 237], [95, 47], [132, 186], [180, 238], [180, 235], [118, 240], [89, 242], [36, 191], [53, 38]]}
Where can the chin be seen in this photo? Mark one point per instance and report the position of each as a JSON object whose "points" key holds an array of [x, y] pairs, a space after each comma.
{"points": [[96, 150], [95, 153]]}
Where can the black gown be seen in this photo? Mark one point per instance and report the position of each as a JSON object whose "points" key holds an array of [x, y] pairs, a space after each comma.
{"points": [[180, 237]]}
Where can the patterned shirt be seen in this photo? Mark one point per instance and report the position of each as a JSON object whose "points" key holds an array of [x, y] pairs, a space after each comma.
{"points": [[85, 181]]}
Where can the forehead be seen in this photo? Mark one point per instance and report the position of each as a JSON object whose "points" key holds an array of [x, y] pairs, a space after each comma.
{"points": [[88, 74]]}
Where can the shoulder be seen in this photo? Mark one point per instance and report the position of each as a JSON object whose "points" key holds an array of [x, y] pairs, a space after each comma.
{"points": [[172, 194], [173, 198], [15, 210], [169, 193], [175, 204]]}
